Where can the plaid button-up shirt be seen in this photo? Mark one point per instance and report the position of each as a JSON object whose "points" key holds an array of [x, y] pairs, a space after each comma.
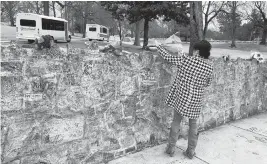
{"points": [[193, 75]]}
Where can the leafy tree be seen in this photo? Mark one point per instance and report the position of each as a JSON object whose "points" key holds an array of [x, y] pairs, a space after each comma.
{"points": [[230, 19], [213, 35], [262, 20], [148, 11], [31, 7], [119, 13], [151, 10], [10, 9], [84, 10], [184, 32]]}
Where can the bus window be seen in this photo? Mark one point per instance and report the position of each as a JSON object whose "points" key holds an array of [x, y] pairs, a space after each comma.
{"points": [[48, 24], [45, 24], [92, 29], [59, 26], [30, 23], [105, 30]]}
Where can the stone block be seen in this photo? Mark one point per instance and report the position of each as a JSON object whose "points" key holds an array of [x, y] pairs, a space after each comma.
{"points": [[64, 129], [210, 124], [72, 98], [19, 135], [130, 106], [112, 144], [12, 86], [166, 74], [11, 68], [95, 158], [30, 159], [125, 140], [93, 128], [220, 119], [126, 86], [59, 154], [13, 103]]}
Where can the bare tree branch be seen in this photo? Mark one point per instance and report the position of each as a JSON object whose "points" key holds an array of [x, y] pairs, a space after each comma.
{"points": [[60, 4], [259, 6], [217, 12]]}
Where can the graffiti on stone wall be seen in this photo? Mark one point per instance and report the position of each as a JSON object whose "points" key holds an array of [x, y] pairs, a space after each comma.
{"points": [[82, 105], [11, 68]]}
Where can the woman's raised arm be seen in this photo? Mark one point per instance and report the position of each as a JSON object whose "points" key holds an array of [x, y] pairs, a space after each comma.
{"points": [[167, 56]]}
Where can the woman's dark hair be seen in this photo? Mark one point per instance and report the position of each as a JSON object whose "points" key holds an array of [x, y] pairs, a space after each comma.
{"points": [[204, 48]]}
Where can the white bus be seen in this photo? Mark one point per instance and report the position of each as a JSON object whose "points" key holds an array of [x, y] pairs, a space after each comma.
{"points": [[97, 32], [31, 26]]}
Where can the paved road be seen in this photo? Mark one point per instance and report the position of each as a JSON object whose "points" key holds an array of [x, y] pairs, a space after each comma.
{"points": [[240, 142], [9, 33]]}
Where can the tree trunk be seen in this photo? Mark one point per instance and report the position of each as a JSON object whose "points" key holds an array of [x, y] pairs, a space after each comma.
{"points": [[66, 24], [84, 27], [205, 30], [132, 31], [233, 24], [12, 21], [85, 19], [46, 8], [120, 32], [37, 7], [263, 38], [72, 25], [137, 34], [196, 24], [251, 35], [54, 9], [146, 27]]}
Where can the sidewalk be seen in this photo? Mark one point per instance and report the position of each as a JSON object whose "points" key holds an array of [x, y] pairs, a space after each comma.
{"points": [[240, 142]]}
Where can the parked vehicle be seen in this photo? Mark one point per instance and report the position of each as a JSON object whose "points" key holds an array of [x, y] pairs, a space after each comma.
{"points": [[97, 32], [31, 26]]}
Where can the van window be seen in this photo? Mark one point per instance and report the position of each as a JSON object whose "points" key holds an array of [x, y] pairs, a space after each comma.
{"points": [[105, 30], [92, 29], [48, 24], [30, 23], [59, 26]]}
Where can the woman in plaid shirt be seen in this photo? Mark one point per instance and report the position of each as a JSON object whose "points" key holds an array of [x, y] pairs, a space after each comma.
{"points": [[186, 93]]}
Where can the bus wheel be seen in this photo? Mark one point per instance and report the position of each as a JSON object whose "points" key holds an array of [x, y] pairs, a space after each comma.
{"points": [[30, 41], [69, 39]]}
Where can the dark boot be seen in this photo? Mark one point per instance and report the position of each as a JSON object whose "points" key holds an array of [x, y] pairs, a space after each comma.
{"points": [[170, 149], [188, 154]]}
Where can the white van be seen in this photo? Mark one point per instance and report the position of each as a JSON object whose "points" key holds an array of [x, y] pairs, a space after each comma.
{"points": [[97, 32], [31, 26]]}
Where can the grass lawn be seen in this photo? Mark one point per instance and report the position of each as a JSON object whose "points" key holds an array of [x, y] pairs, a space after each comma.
{"points": [[134, 49], [241, 46]]}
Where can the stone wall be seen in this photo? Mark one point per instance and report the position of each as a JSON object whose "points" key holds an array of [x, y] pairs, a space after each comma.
{"points": [[73, 106]]}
